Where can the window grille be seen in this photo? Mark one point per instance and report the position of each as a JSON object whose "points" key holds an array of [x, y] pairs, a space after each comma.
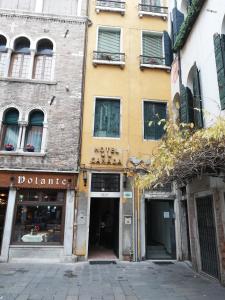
{"points": [[105, 182]]}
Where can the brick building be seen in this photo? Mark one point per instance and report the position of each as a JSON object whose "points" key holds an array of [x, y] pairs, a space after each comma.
{"points": [[42, 46]]}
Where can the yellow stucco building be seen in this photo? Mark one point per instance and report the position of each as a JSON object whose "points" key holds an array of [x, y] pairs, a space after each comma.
{"points": [[127, 89]]}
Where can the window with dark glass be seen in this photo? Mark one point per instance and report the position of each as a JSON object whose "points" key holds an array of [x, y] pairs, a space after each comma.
{"points": [[20, 60], [43, 60], [33, 138], [39, 217], [10, 130], [154, 114], [107, 118], [103, 182], [3, 54]]}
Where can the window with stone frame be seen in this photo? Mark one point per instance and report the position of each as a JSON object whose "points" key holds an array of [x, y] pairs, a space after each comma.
{"points": [[20, 59], [9, 130], [3, 54], [43, 60]]}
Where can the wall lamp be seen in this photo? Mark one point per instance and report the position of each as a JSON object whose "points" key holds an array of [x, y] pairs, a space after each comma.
{"points": [[85, 177], [124, 180]]}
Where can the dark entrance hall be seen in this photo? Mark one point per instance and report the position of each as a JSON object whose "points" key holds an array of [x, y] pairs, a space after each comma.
{"points": [[104, 228]]}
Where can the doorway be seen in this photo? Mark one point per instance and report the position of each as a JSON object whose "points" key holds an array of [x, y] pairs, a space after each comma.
{"points": [[104, 228], [207, 236], [3, 206], [160, 229]]}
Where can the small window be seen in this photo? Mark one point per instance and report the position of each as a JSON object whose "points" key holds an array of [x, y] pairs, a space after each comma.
{"points": [[152, 49], [107, 118], [101, 182], [20, 60], [10, 130], [43, 60], [154, 112], [3, 54], [34, 132]]}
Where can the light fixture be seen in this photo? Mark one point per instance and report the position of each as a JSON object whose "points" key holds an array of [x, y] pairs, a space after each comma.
{"points": [[124, 180], [85, 177]]}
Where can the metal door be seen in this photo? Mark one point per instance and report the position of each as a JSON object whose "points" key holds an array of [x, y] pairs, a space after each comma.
{"points": [[207, 236]]}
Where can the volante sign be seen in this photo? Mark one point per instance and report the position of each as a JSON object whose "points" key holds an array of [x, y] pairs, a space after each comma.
{"points": [[37, 180]]}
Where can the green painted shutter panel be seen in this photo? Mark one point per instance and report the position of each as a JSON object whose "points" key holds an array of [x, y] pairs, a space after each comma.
{"points": [[152, 45], [183, 105], [11, 117], [149, 129], [109, 41], [160, 114], [198, 117], [190, 106], [107, 118], [219, 45], [36, 118]]}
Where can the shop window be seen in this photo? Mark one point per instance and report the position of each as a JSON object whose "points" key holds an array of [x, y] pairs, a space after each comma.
{"points": [[3, 54], [107, 118], [39, 217], [10, 130], [101, 182], [154, 120], [43, 60], [33, 138], [21, 59]]}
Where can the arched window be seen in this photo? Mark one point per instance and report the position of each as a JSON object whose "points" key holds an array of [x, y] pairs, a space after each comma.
{"points": [[10, 130], [20, 61], [3, 54], [33, 138], [43, 60]]}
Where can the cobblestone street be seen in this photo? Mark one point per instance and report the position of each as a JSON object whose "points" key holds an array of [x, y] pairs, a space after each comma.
{"points": [[121, 281]]}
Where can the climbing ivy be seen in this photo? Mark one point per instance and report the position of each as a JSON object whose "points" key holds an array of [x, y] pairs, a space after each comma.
{"points": [[186, 27]]}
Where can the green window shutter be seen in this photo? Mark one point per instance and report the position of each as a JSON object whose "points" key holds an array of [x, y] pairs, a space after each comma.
{"points": [[11, 117], [152, 45], [198, 117], [153, 113], [219, 45], [186, 105], [109, 41], [36, 118], [107, 118], [149, 120]]}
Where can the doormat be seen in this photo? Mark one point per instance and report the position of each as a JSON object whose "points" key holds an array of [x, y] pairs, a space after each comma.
{"points": [[102, 262], [163, 262]]}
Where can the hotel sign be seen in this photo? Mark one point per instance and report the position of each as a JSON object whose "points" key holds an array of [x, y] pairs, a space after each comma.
{"points": [[38, 180], [106, 156]]}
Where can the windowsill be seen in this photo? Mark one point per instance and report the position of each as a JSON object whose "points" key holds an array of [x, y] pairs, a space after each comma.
{"points": [[18, 153], [107, 138], [23, 80], [106, 62], [152, 140], [36, 246], [150, 66], [152, 14], [112, 9]]}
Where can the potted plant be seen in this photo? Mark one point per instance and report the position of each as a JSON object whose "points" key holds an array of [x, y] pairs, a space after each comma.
{"points": [[9, 147], [29, 148]]}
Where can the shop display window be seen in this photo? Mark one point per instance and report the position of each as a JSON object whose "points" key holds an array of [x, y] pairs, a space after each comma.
{"points": [[39, 217]]}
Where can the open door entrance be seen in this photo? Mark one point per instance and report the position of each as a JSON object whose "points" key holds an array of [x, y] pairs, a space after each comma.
{"points": [[160, 229], [104, 229], [3, 206]]}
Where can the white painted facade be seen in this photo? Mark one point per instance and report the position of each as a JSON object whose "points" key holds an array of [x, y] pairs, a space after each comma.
{"points": [[199, 48]]}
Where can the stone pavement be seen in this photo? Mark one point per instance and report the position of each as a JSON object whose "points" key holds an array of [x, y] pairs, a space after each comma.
{"points": [[121, 281]]}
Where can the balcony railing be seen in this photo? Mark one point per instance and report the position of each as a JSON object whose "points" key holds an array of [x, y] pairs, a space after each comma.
{"points": [[110, 5], [152, 60], [145, 9], [103, 57]]}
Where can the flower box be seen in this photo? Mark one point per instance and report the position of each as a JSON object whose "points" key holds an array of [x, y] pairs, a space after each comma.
{"points": [[29, 148], [9, 147]]}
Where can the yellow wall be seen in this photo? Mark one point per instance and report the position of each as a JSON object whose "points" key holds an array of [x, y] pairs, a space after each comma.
{"points": [[130, 84]]}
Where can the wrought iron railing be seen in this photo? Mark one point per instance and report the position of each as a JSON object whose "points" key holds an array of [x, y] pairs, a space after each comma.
{"points": [[153, 9], [110, 4], [108, 56], [152, 60]]}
